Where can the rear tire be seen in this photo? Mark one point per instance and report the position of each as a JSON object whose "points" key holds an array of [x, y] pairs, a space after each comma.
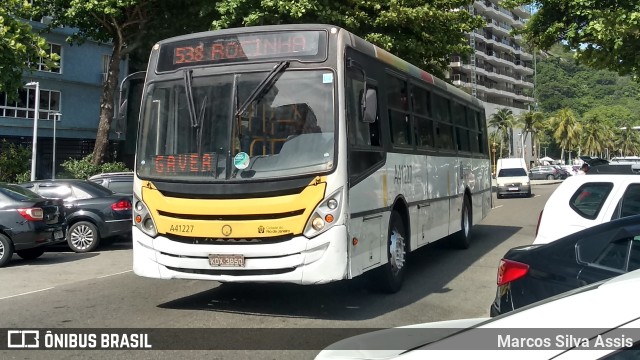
{"points": [[83, 237], [31, 254], [6, 250], [462, 239], [393, 271]]}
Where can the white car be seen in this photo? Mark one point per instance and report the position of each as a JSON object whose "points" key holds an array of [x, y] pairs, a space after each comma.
{"points": [[606, 314], [582, 201]]}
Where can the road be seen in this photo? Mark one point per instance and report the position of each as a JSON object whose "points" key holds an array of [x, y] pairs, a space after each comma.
{"points": [[98, 290]]}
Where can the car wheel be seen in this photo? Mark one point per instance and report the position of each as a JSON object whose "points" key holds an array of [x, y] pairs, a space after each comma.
{"points": [[550, 177], [6, 250], [393, 271], [462, 239], [30, 254], [499, 196], [83, 237]]}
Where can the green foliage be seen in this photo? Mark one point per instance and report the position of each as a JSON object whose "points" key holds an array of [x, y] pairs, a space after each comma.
{"points": [[562, 83], [15, 161], [424, 33], [85, 168], [603, 34], [18, 44]]}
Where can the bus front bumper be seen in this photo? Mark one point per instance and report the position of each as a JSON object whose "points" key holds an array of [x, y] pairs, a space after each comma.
{"points": [[300, 260]]}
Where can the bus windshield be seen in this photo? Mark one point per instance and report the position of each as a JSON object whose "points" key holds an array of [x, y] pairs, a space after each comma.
{"points": [[191, 128]]}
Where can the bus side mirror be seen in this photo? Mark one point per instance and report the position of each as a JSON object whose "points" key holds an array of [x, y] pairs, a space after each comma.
{"points": [[122, 110], [370, 106]]}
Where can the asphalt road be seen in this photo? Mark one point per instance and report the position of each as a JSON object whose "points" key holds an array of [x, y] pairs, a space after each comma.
{"points": [[98, 290]]}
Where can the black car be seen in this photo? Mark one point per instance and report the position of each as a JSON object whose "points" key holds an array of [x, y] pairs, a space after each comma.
{"points": [[93, 211], [28, 222], [118, 182], [527, 274]]}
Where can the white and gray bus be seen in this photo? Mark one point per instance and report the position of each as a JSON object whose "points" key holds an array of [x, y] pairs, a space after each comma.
{"points": [[300, 153]]}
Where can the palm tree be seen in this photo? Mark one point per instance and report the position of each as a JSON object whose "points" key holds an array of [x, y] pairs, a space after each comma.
{"points": [[627, 140], [532, 122], [596, 135], [567, 129], [503, 121]]}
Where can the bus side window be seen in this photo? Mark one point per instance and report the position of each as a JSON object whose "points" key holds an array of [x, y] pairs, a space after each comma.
{"points": [[360, 133]]}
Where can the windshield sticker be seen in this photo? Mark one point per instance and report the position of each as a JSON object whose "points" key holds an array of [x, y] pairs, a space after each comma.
{"points": [[241, 160], [327, 78]]}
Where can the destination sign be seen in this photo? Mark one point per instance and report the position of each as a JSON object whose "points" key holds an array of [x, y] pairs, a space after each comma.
{"points": [[295, 45], [184, 164]]}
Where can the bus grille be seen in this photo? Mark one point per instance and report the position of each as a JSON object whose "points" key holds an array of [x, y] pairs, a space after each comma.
{"points": [[233, 272], [227, 241]]}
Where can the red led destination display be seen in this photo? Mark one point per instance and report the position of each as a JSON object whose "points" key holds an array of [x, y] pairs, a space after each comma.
{"points": [[183, 164], [293, 45]]}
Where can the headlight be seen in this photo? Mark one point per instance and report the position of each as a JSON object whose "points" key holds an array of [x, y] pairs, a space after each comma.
{"points": [[142, 218], [325, 215]]}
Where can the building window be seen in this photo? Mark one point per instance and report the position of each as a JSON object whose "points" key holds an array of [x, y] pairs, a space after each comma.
{"points": [[24, 106], [53, 49]]}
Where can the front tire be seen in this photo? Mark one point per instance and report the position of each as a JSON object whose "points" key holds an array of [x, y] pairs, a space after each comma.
{"points": [[550, 177], [393, 271], [6, 250], [462, 239], [83, 237], [31, 254]]}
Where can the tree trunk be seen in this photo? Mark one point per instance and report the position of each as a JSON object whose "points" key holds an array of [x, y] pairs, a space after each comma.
{"points": [[107, 104]]}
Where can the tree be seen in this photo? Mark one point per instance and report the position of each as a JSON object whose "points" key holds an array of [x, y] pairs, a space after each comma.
{"points": [[425, 33], [532, 122], [19, 45], [567, 129], [596, 134], [603, 34], [126, 25], [627, 140], [503, 121]]}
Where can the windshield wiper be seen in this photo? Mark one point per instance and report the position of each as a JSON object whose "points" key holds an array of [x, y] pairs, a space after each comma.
{"points": [[196, 119], [263, 87]]}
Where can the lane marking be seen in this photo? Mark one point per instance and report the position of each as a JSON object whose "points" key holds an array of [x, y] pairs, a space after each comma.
{"points": [[499, 206], [122, 272], [26, 293], [537, 196]]}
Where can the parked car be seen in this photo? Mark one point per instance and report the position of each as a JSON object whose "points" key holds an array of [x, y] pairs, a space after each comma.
{"points": [[527, 274], [605, 313], [545, 173], [93, 211], [118, 182], [564, 173], [570, 169], [28, 222], [607, 192]]}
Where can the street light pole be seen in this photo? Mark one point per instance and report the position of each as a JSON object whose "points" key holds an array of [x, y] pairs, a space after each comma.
{"points": [[35, 128], [56, 118]]}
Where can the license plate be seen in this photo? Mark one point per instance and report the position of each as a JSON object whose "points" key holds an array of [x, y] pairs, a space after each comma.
{"points": [[217, 260], [513, 189], [58, 234]]}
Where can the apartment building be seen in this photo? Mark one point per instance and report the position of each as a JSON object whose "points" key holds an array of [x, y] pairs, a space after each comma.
{"points": [[69, 97], [500, 71]]}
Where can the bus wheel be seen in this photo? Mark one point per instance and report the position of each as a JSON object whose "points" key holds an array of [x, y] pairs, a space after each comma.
{"points": [[394, 269], [462, 238]]}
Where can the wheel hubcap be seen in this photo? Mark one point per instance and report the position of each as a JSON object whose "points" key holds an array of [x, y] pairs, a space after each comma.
{"points": [[396, 249], [1, 250], [465, 221], [82, 237]]}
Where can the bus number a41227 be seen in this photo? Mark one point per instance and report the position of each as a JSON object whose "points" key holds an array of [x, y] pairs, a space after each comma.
{"points": [[181, 228]]}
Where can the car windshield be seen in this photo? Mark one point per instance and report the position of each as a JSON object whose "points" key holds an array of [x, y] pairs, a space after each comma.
{"points": [[18, 193], [196, 135], [512, 172]]}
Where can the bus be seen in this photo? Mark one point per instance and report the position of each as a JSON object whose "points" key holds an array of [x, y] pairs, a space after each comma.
{"points": [[300, 154]]}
